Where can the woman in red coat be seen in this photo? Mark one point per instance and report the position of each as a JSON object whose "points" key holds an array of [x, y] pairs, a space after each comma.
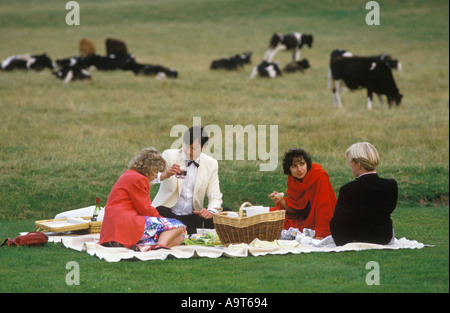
{"points": [[311, 198], [130, 220]]}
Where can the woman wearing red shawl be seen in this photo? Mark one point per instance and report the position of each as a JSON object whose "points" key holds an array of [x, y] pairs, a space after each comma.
{"points": [[310, 197]]}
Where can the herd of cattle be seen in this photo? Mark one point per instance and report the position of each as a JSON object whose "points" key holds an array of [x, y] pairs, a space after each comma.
{"points": [[371, 72]]}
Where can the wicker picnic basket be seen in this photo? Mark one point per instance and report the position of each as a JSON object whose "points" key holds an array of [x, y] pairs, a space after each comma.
{"points": [[61, 225], [232, 230]]}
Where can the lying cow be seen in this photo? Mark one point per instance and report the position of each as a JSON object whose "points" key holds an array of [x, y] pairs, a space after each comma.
{"points": [[291, 41], [102, 63], [368, 73], [116, 47], [299, 66], [70, 73], [86, 47], [232, 63], [266, 69], [150, 70], [27, 62], [107, 63]]}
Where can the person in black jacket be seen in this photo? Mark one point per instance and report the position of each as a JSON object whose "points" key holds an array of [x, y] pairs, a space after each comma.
{"points": [[364, 206]]}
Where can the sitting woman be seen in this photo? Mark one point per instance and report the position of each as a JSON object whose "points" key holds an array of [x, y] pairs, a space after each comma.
{"points": [[130, 220], [364, 206], [311, 199]]}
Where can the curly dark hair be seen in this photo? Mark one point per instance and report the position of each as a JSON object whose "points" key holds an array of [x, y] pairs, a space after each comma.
{"points": [[291, 155]]}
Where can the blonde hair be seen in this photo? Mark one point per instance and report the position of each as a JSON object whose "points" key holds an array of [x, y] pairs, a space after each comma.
{"points": [[364, 153], [148, 162]]}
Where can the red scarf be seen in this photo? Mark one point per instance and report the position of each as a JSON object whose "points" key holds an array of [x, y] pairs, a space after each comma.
{"points": [[300, 191], [317, 189]]}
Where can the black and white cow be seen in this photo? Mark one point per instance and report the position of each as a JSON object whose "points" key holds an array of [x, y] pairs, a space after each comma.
{"points": [[232, 63], [103, 63], [392, 63], [374, 75], [266, 69], [298, 66], [291, 41], [158, 71], [27, 62], [108, 63], [69, 73]]}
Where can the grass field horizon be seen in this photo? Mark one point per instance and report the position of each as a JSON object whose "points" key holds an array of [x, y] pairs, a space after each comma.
{"points": [[62, 145]]}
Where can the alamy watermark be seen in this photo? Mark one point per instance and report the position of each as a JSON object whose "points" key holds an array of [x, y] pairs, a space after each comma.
{"points": [[373, 17], [73, 277], [73, 16], [373, 276], [262, 142]]}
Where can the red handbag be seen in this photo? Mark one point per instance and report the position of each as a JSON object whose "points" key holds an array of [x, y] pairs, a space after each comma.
{"points": [[30, 239]]}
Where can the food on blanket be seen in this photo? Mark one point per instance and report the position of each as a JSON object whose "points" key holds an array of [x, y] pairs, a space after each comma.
{"points": [[209, 240], [194, 236]]}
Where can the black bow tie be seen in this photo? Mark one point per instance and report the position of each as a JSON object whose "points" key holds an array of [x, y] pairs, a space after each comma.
{"points": [[193, 162]]}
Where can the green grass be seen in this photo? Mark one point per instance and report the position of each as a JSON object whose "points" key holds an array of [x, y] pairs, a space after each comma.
{"points": [[61, 145]]}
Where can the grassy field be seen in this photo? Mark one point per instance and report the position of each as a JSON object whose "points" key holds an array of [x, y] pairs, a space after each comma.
{"points": [[61, 145]]}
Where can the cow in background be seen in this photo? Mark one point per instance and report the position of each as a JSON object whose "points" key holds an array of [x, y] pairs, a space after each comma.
{"points": [[232, 63], [298, 66], [69, 73], [116, 47], [158, 71], [266, 69], [86, 47], [27, 62], [374, 75], [392, 63], [291, 41]]}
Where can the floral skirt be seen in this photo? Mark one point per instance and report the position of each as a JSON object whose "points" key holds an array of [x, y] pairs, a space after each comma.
{"points": [[154, 226]]}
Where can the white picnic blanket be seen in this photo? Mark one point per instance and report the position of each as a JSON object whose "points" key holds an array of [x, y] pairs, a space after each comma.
{"points": [[89, 244]]}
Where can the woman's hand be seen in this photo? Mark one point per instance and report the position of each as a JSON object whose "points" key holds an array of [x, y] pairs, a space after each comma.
{"points": [[276, 196], [174, 169]]}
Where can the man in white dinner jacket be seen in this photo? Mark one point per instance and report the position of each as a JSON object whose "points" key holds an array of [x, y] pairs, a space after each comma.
{"points": [[182, 198]]}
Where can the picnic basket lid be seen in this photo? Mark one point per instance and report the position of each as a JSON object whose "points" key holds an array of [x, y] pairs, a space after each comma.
{"points": [[62, 225]]}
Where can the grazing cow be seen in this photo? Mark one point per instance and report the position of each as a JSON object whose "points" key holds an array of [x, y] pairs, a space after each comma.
{"points": [[150, 70], [392, 63], [70, 73], [266, 69], [368, 73], [86, 47], [296, 66], [27, 62], [116, 47], [232, 63], [291, 41]]}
